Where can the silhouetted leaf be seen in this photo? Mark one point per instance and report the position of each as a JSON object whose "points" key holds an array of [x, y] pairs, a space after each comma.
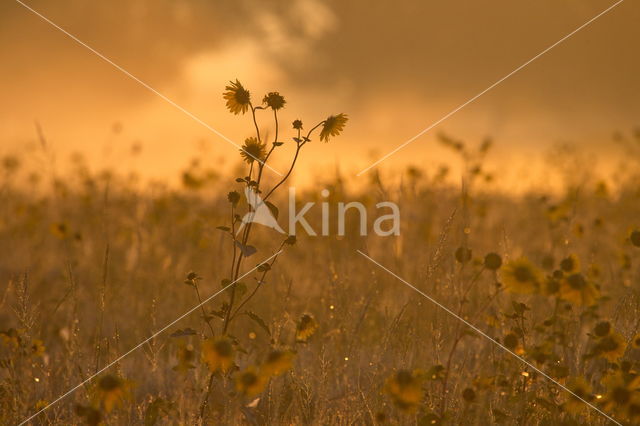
{"points": [[182, 333], [259, 321], [246, 249]]}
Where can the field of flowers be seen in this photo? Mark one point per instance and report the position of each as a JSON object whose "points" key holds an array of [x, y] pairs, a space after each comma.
{"points": [[126, 303]]}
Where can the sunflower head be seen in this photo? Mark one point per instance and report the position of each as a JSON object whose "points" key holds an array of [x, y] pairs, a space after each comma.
{"points": [[602, 328], [636, 341], [253, 150], [91, 415], [405, 389], [277, 362], [332, 126], [306, 328], [469, 395], [111, 391], [622, 390], [576, 289], [611, 347], [580, 392], [521, 276], [570, 264], [492, 261], [274, 100], [238, 98], [11, 337], [297, 124], [249, 382], [218, 354]]}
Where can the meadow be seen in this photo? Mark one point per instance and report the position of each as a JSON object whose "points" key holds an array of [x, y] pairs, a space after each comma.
{"points": [[93, 263]]}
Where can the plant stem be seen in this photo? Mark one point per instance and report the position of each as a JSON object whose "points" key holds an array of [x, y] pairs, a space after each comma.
{"points": [[255, 290], [204, 313]]}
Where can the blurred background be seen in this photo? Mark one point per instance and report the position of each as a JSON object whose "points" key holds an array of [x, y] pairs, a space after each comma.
{"points": [[394, 68]]}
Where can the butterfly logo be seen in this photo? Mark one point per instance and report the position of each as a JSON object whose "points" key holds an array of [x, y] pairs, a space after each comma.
{"points": [[260, 212]]}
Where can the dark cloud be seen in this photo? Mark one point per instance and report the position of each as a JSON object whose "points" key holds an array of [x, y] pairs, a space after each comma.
{"points": [[399, 65]]}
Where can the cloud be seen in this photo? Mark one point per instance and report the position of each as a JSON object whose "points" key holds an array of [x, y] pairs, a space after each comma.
{"points": [[395, 68]]}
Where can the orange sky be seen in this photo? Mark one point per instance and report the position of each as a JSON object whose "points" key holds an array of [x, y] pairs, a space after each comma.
{"points": [[394, 68]]}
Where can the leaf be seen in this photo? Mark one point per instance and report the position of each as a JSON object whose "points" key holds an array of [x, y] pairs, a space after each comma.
{"points": [[246, 249], [224, 228], [240, 180], [264, 267], [278, 143], [273, 209], [519, 308], [259, 321], [182, 333]]}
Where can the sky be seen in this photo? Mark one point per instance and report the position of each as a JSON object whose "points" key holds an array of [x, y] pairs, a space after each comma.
{"points": [[394, 67]]}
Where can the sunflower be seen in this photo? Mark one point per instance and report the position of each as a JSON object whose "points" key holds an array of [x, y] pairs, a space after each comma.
{"points": [[253, 150], [274, 100], [91, 416], [580, 392], [218, 354], [622, 390], [521, 276], [550, 287], [238, 98], [469, 395], [602, 329], [249, 382], [332, 126], [492, 261], [611, 347], [570, 264], [557, 213], [11, 338], [37, 348], [576, 289], [111, 391], [307, 326], [405, 389], [635, 342], [512, 342], [297, 124], [277, 362]]}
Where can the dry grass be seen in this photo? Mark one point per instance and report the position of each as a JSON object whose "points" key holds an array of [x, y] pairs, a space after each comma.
{"points": [[96, 265]]}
